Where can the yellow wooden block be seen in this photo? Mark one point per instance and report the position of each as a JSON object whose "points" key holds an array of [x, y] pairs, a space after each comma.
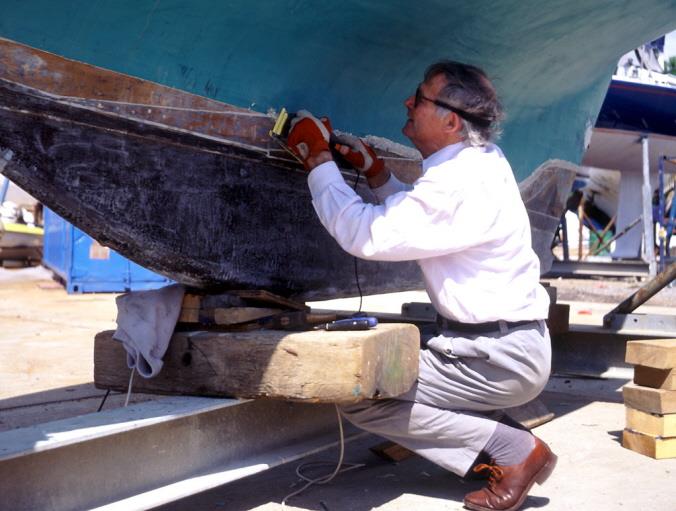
{"points": [[655, 447], [655, 378], [191, 301], [651, 424], [648, 399], [659, 353]]}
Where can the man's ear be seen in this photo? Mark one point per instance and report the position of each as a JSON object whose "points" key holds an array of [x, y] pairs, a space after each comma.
{"points": [[453, 123]]}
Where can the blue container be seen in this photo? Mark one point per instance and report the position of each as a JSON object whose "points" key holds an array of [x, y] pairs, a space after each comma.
{"points": [[87, 267]]}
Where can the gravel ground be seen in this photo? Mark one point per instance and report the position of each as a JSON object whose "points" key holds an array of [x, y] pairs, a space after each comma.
{"points": [[607, 290]]}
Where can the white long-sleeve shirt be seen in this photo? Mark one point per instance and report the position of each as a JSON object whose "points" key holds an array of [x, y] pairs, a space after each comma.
{"points": [[463, 221]]}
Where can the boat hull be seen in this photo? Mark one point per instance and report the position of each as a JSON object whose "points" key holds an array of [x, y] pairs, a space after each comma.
{"points": [[192, 188], [189, 209]]}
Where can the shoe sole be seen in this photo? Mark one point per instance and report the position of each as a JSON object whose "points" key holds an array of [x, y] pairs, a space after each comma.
{"points": [[540, 477]]}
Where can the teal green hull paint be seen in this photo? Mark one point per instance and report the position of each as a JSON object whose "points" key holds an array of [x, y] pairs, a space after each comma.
{"points": [[356, 61]]}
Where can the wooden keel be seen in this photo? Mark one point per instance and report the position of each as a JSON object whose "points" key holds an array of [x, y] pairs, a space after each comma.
{"points": [[189, 208], [314, 366]]}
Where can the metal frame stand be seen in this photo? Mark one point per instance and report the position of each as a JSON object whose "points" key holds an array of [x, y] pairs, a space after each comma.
{"points": [[666, 224]]}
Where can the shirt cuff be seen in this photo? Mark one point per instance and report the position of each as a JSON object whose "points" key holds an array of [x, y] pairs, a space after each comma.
{"points": [[322, 176]]}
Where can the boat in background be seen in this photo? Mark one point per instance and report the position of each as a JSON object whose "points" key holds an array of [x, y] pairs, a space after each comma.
{"points": [[639, 109]]}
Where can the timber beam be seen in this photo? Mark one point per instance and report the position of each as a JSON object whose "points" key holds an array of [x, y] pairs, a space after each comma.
{"points": [[313, 366]]}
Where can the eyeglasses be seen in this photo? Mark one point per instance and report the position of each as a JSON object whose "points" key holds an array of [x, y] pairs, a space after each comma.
{"points": [[479, 121]]}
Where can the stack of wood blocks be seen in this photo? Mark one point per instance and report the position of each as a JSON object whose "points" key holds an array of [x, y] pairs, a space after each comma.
{"points": [[651, 400]]}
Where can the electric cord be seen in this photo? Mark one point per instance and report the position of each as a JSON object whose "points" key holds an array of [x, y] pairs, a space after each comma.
{"points": [[126, 401], [103, 401], [315, 464], [131, 380]]}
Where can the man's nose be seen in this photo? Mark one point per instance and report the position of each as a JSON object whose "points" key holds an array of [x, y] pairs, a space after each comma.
{"points": [[409, 102]]}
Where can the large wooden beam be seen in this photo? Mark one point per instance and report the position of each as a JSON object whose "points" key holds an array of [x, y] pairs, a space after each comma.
{"points": [[315, 366]]}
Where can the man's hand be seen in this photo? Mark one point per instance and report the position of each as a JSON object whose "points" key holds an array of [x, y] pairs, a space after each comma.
{"points": [[309, 139], [360, 155]]}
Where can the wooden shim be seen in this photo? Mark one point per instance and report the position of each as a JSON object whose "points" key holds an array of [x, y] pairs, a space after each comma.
{"points": [[655, 378], [651, 424], [191, 301], [658, 448], [391, 451], [234, 307], [234, 315], [315, 366], [263, 296], [648, 399], [658, 353]]}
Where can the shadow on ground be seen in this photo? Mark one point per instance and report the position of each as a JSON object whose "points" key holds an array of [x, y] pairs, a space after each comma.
{"points": [[377, 483]]}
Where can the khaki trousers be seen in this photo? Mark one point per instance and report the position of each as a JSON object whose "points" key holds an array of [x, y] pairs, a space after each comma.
{"points": [[460, 376]]}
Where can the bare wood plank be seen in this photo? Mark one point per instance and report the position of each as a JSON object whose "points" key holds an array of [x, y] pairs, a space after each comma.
{"points": [[648, 399], [651, 424], [234, 315], [655, 378], [316, 366], [263, 296], [658, 448], [658, 353]]}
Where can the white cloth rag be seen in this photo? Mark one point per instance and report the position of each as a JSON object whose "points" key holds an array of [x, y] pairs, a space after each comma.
{"points": [[145, 323]]}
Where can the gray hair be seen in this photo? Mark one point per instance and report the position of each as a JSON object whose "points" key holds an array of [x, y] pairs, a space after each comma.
{"points": [[469, 90]]}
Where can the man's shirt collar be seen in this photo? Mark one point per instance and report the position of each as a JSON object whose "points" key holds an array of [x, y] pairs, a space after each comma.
{"points": [[442, 155]]}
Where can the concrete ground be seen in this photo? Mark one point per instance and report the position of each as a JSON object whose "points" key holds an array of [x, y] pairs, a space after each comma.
{"points": [[594, 472], [46, 367]]}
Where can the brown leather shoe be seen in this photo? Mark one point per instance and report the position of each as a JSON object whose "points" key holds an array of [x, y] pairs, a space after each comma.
{"points": [[508, 486]]}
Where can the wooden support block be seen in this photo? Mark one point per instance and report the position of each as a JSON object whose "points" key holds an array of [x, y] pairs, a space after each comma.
{"points": [[558, 320], [235, 315], [655, 378], [658, 353], [265, 297], [655, 447], [649, 400], [651, 424], [191, 301], [390, 451], [315, 366], [531, 414], [189, 315]]}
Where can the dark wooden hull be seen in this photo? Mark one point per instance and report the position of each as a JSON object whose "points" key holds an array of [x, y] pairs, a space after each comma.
{"points": [[188, 187]]}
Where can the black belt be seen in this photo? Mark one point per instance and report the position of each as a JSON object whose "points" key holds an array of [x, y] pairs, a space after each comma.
{"points": [[478, 328]]}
